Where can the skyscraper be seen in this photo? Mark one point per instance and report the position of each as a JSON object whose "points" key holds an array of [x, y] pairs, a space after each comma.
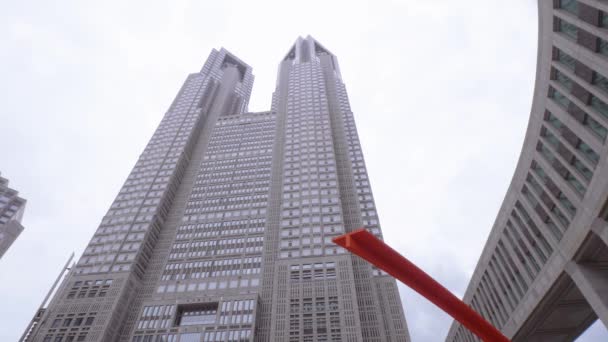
{"points": [[542, 275], [222, 231], [11, 212]]}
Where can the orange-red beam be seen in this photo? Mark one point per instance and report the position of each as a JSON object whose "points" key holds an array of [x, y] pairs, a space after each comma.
{"points": [[367, 246]]}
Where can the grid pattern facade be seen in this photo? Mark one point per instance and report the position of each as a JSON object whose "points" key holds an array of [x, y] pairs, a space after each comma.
{"points": [[551, 197], [11, 212], [223, 230]]}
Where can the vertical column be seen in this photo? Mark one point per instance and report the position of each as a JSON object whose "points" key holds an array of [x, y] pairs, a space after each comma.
{"points": [[600, 228], [592, 280]]}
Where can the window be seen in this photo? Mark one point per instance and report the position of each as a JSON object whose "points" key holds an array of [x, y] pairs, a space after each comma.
{"points": [[579, 144], [190, 337], [599, 106], [563, 79], [197, 314], [569, 5], [603, 19], [566, 59], [558, 97], [568, 29]]}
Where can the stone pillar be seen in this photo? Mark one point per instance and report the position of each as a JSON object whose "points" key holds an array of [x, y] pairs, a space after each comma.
{"points": [[592, 280], [600, 228]]}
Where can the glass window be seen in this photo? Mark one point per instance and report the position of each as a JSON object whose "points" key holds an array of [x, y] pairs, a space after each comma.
{"points": [[595, 127], [578, 186], [603, 19], [600, 81], [566, 59], [588, 152], [203, 314], [599, 106], [554, 141], [558, 97], [603, 47], [190, 337], [563, 80], [568, 29], [569, 5]]}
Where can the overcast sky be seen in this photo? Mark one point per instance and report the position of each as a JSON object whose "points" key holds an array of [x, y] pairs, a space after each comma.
{"points": [[441, 92]]}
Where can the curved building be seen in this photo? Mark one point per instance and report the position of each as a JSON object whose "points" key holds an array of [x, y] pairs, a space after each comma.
{"points": [[543, 274]]}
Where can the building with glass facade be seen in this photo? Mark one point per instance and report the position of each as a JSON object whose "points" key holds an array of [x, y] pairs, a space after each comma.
{"points": [[222, 231], [543, 273], [11, 212]]}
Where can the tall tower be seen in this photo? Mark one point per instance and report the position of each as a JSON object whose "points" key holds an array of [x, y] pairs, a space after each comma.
{"points": [[11, 212], [321, 190], [223, 229]]}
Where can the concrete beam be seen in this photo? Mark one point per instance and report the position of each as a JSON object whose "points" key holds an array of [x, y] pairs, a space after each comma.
{"points": [[592, 280], [600, 228]]}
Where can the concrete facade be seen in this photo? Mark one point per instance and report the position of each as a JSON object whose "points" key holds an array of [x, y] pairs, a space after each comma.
{"points": [[222, 231], [11, 212], [543, 274]]}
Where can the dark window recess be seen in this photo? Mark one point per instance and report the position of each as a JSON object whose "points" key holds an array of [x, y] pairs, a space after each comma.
{"points": [[565, 59], [565, 152], [603, 19], [583, 71], [562, 79], [552, 187], [589, 14], [547, 200], [569, 136], [539, 147], [89, 321], [541, 212], [600, 81], [580, 93], [560, 168], [196, 314], [571, 6], [576, 112], [571, 31], [588, 40]]}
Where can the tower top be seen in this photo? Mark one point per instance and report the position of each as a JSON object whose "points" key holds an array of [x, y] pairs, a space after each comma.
{"points": [[308, 49], [305, 48]]}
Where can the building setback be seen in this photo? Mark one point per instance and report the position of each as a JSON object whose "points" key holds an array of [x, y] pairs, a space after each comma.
{"points": [[222, 231], [543, 273], [11, 212]]}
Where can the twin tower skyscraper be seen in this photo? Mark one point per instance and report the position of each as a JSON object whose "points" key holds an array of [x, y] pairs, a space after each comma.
{"points": [[222, 231]]}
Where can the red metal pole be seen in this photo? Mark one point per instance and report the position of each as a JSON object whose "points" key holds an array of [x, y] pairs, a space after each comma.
{"points": [[367, 246]]}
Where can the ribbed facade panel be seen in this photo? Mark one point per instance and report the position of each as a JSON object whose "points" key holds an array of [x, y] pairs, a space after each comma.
{"points": [[552, 221]]}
